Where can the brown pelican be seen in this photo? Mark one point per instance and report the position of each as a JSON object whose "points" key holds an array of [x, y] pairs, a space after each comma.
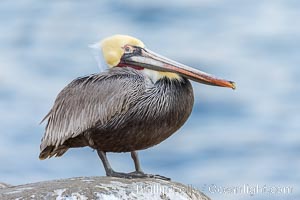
{"points": [[141, 100]]}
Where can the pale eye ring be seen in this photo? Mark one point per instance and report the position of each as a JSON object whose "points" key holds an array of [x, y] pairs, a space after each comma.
{"points": [[127, 49]]}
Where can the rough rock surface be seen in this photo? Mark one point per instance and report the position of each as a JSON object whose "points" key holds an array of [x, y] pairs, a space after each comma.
{"points": [[102, 188], [4, 185]]}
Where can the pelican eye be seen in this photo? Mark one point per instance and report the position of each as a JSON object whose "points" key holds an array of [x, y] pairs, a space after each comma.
{"points": [[127, 49]]}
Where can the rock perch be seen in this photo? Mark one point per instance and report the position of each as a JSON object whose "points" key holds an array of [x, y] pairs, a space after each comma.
{"points": [[102, 188]]}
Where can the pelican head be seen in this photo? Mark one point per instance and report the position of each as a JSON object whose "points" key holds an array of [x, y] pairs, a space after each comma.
{"points": [[127, 51]]}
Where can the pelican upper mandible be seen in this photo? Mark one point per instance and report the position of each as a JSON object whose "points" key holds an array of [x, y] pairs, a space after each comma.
{"points": [[141, 100]]}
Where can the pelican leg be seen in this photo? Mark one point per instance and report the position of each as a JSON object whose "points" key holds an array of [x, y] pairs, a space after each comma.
{"points": [[109, 171], [138, 173], [135, 158], [105, 162]]}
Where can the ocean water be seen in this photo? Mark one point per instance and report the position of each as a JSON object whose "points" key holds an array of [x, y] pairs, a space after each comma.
{"points": [[241, 144]]}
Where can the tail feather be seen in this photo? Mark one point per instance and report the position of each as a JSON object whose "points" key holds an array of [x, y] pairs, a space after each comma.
{"points": [[51, 151]]}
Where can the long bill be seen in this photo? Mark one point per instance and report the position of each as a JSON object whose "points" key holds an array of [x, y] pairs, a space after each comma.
{"points": [[145, 58]]}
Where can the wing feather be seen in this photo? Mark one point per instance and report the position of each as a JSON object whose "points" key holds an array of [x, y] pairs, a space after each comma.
{"points": [[91, 100]]}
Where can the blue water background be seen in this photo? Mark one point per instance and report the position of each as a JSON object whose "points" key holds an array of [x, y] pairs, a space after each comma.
{"points": [[250, 136]]}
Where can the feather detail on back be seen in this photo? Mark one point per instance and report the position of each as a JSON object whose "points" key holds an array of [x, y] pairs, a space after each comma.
{"points": [[87, 102]]}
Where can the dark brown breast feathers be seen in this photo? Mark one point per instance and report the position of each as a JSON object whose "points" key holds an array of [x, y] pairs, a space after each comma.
{"points": [[157, 114]]}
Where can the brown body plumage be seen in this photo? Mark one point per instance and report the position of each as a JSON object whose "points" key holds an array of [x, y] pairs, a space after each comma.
{"points": [[139, 102], [122, 110]]}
